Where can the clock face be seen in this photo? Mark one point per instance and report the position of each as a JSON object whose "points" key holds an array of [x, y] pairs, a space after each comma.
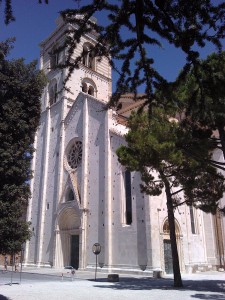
{"points": [[75, 155]]}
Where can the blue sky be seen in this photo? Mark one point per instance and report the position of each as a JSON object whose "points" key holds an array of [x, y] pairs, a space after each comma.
{"points": [[34, 22]]}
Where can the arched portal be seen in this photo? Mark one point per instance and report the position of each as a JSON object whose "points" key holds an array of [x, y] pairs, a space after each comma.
{"points": [[168, 261], [68, 237]]}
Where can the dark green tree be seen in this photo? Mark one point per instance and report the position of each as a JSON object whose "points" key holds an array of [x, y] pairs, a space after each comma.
{"points": [[21, 86], [157, 148], [202, 97]]}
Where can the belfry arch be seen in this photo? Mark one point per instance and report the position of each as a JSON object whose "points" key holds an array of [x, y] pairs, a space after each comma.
{"points": [[68, 237], [88, 86]]}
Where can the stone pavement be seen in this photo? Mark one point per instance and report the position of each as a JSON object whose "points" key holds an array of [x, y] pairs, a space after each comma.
{"points": [[207, 285]]}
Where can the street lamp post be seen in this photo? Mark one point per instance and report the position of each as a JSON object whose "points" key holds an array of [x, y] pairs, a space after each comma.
{"points": [[21, 262], [96, 249], [13, 260]]}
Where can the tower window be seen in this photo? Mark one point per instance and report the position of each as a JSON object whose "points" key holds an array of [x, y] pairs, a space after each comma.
{"points": [[91, 61], [88, 58], [54, 57], [84, 87], [53, 93], [85, 55], [91, 90], [88, 86]]}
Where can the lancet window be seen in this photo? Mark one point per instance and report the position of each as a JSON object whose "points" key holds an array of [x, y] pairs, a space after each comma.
{"points": [[89, 87], [88, 58], [53, 95], [54, 57]]}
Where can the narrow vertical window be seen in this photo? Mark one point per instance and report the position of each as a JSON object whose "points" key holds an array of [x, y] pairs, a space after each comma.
{"points": [[88, 56], [193, 229], [91, 61], [128, 207], [85, 55], [91, 91], [53, 94], [84, 87], [54, 57]]}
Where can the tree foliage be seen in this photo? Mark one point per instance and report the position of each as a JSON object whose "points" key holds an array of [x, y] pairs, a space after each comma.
{"points": [[157, 148], [202, 97], [21, 86], [162, 143], [187, 25], [134, 31], [8, 11]]}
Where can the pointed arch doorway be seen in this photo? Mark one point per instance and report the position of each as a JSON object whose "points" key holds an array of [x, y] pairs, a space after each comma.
{"points": [[168, 259], [68, 238]]}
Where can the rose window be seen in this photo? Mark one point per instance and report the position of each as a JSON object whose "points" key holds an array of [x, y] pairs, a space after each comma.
{"points": [[75, 155]]}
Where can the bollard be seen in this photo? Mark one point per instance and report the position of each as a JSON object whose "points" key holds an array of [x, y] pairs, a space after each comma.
{"points": [[113, 278], [72, 274], [62, 277], [157, 274]]}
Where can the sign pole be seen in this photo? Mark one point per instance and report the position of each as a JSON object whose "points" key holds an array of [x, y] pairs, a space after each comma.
{"points": [[96, 267], [96, 249]]}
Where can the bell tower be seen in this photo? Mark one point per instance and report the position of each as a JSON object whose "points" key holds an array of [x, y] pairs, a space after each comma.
{"points": [[55, 208], [93, 76]]}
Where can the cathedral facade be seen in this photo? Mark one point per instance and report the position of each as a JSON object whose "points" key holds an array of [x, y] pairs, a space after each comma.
{"points": [[81, 195]]}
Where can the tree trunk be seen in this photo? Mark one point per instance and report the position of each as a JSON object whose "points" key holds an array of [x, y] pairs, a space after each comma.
{"points": [[222, 137], [176, 264]]}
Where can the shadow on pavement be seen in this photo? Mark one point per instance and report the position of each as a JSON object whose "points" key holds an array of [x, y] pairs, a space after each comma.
{"points": [[148, 283], [4, 298], [209, 296]]}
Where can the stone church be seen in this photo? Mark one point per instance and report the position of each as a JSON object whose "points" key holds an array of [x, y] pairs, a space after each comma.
{"points": [[81, 195]]}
